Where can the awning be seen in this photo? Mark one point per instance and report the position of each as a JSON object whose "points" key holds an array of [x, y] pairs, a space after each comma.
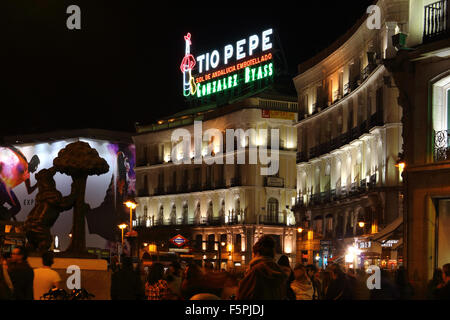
{"points": [[388, 230]]}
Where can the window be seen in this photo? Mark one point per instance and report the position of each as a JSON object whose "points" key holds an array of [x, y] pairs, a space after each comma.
{"points": [[173, 215], [272, 209], [238, 243], [185, 213], [441, 119]]}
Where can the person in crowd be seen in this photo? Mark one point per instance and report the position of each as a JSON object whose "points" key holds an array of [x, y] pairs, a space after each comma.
{"points": [[264, 280], [205, 296], [443, 291], [302, 285], [404, 286], [173, 278], [21, 274], [209, 267], [433, 284], [114, 264], [126, 284], [388, 289], [361, 289], [192, 280], [313, 273], [231, 286], [45, 278], [198, 281], [340, 287], [6, 287], [156, 288], [283, 262], [325, 277]]}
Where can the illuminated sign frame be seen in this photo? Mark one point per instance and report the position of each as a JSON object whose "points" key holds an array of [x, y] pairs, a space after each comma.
{"points": [[248, 61]]}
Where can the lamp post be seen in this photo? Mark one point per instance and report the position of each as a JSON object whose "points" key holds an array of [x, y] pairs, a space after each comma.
{"points": [[132, 205], [131, 235], [122, 227]]}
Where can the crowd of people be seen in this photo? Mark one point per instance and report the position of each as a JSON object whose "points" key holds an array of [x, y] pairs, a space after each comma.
{"points": [[267, 279], [18, 281], [264, 279]]}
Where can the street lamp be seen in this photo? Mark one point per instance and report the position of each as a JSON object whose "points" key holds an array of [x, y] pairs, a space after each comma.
{"points": [[361, 224], [132, 205], [300, 230], [122, 227]]}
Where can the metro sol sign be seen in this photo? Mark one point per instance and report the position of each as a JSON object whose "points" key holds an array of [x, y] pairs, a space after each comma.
{"points": [[234, 65], [179, 240]]}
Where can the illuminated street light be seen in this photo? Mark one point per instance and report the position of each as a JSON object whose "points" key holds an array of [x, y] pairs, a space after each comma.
{"points": [[401, 165], [299, 230], [361, 224], [122, 227], [132, 205]]}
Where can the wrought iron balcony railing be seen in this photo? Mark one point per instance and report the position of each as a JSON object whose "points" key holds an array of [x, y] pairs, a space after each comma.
{"points": [[441, 145], [436, 21]]}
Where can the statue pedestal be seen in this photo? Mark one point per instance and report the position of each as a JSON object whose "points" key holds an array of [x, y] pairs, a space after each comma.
{"points": [[95, 276]]}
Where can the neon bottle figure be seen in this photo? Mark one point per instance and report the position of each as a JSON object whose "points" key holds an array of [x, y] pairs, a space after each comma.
{"points": [[187, 65]]}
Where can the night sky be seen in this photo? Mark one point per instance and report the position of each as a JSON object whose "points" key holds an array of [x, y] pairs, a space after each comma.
{"points": [[122, 67]]}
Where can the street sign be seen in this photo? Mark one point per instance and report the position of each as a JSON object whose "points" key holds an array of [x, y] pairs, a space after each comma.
{"points": [[179, 240]]}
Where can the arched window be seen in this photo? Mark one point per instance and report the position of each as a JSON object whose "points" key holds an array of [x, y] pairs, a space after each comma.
{"points": [[197, 215], [209, 213], [173, 215], [185, 219], [222, 211], [237, 207], [160, 217], [272, 210]]}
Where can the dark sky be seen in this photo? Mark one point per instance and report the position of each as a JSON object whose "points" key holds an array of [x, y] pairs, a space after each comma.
{"points": [[123, 65]]}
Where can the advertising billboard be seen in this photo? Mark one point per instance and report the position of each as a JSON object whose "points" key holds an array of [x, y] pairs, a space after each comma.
{"points": [[105, 194], [231, 71]]}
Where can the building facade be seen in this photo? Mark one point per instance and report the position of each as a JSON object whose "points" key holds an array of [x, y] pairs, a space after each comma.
{"points": [[349, 184], [221, 203], [422, 74]]}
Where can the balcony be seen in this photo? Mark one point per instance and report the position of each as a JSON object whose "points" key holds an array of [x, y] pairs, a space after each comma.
{"points": [[436, 21], [441, 145], [272, 220], [365, 73], [235, 182]]}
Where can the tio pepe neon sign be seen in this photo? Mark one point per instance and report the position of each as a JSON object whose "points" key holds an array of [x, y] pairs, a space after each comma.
{"points": [[206, 83]]}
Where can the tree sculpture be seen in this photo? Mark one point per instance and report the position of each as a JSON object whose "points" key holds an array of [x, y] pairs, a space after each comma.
{"points": [[79, 161]]}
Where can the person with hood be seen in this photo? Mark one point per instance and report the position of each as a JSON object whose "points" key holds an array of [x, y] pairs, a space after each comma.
{"points": [[283, 262], [264, 280]]}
